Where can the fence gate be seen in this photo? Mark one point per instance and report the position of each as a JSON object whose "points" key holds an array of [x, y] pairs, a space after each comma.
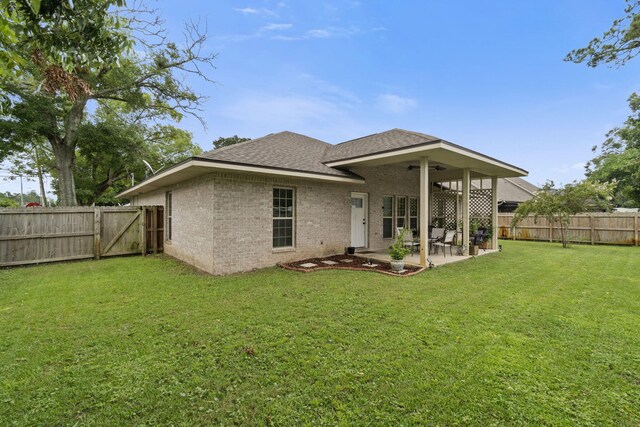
{"points": [[154, 235], [36, 235]]}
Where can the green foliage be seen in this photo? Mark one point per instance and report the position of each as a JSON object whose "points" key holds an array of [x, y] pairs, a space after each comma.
{"points": [[12, 200], [8, 202], [77, 36], [618, 159], [113, 145], [225, 142], [558, 204], [398, 250], [617, 45], [533, 336], [79, 53]]}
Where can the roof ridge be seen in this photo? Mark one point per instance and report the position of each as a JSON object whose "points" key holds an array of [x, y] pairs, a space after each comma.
{"points": [[218, 150], [355, 139], [520, 186], [420, 134]]}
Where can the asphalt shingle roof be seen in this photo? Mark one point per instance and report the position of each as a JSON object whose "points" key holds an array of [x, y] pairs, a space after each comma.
{"points": [[511, 189], [282, 150], [377, 143]]}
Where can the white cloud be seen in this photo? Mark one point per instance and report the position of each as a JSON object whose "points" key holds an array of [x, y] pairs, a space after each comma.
{"points": [[396, 104], [252, 11], [322, 34], [276, 27], [247, 10]]}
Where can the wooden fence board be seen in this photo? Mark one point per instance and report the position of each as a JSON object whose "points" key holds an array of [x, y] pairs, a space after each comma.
{"points": [[35, 235], [617, 228]]}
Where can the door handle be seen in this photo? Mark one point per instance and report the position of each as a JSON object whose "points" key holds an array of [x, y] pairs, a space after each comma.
{"points": [[364, 221]]}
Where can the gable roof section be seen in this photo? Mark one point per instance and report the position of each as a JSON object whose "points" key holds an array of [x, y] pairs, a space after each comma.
{"points": [[399, 145], [298, 156], [516, 190], [382, 142], [284, 150], [509, 189]]}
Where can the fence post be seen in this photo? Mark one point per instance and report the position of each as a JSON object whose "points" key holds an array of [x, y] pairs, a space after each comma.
{"points": [[143, 230], [97, 230], [635, 229], [592, 231], [550, 231], [154, 227]]}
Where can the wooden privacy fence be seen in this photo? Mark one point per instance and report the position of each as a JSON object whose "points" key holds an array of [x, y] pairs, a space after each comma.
{"points": [[616, 228], [35, 235]]}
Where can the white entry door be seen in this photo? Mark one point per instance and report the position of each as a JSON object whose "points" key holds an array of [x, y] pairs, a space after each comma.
{"points": [[359, 220]]}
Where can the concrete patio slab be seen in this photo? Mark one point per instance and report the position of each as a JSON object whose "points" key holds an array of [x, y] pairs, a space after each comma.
{"points": [[414, 259]]}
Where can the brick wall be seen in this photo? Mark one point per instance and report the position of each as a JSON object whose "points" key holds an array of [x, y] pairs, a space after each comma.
{"points": [[388, 180], [192, 233], [222, 222], [243, 212]]}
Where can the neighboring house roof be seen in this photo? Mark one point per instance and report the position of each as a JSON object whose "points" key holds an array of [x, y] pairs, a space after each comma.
{"points": [[377, 143], [515, 189], [283, 150], [509, 189]]}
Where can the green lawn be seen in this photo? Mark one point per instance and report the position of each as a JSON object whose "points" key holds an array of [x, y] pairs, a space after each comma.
{"points": [[536, 334]]}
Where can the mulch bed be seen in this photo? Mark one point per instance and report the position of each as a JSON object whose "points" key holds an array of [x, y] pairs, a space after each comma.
{"points": [[349, 262]]}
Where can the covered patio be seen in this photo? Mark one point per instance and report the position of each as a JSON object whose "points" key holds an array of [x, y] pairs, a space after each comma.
{"points": [[457, 186], [438, 259]]}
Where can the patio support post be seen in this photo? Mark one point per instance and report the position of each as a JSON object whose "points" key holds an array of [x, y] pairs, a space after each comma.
{"points": [[424, 210], [466, 183], [494, 212]]}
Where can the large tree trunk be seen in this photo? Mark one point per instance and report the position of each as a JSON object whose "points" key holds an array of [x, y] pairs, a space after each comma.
{"points": [[65, 161], [65, 153]]}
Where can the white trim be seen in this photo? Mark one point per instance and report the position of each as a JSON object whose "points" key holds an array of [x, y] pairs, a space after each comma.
{"points": [[425, 149], [294, 215], [236, 168], [365, 205]]}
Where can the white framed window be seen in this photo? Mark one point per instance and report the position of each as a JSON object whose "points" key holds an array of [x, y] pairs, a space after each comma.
{"points": [[169, 214], [401, 211], [414, 211], [387, 217], [283, 217]]}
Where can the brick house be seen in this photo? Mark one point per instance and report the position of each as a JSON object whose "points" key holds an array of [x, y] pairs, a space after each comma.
{"points": [[286, 196]]}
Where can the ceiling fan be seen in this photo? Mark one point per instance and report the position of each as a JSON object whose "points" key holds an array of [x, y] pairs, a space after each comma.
{"points": [[435, 167]]}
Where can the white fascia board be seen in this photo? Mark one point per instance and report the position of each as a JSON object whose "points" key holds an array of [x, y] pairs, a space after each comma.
{"points": [[213, 166], [394, 153], [425, 149]]}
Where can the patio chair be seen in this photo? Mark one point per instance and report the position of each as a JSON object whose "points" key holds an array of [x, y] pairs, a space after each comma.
{"points": [[447, 241], [436, 235], [408, 239]]}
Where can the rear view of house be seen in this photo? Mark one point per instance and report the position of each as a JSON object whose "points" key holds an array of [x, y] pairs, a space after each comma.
{"points": [[287, 196]]}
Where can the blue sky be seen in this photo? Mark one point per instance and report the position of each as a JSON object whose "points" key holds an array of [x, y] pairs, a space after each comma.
{"points": [[488, 75]]}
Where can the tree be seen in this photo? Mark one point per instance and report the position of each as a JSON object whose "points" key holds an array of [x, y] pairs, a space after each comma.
{"points": [[618, 159], [617, 45], [102, 67], [112, 148], [8, 202], [225, 142], [558, 204]]}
